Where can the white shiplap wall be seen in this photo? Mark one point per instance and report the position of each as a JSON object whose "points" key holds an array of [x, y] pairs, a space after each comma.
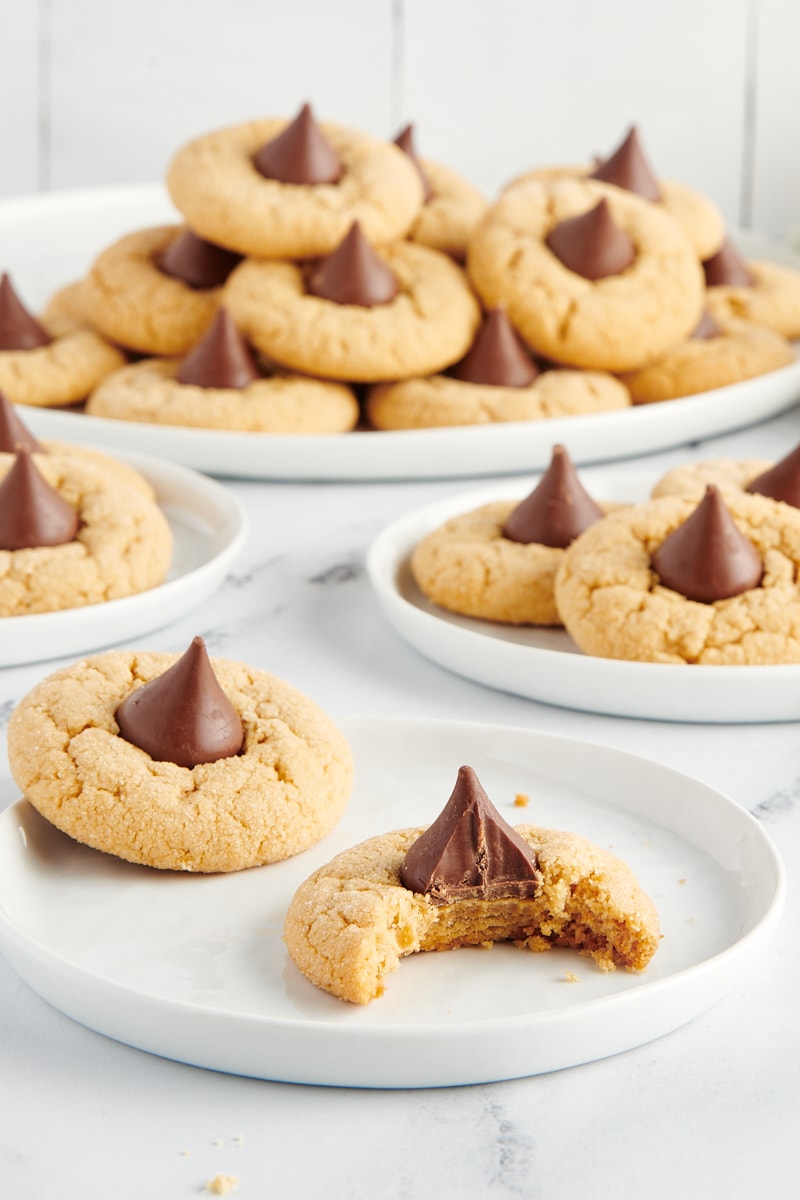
{"points": [[96, 93]]}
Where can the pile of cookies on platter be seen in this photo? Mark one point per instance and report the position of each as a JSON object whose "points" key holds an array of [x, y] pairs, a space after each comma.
{"points": [[324, 279], [705, 572], [184, 763]]}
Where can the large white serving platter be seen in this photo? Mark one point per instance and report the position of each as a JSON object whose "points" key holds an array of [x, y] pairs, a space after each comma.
{"points": [[208, 529], [49, 240], [194, 968], [544, 663]]}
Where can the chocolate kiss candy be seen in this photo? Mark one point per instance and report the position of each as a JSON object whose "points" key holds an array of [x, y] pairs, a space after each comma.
{"points": [[405, 140], [628, 168], [354, 274], [301, 154], [32, 513], [498, 357], [221, 359], [196, 262], [12, 431], [470, 852], [706, 328], [558, 509], [727, 268], [182, 716], [781, 482], [592, 244], [18, 329], [707, 558]]}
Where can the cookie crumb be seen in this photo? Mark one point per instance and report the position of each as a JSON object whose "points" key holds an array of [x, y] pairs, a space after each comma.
{"points": [[220, 1185], [184, 1154], [239, 1139], [681, 882], [571, 977], [218, 1142], [522, 800]]}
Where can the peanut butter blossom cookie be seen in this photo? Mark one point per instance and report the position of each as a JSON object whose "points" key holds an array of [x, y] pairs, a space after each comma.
{"points": [[677, 581], [499, 562], [73, 533], [221, 385], [357, 314], [469, 879], [180, 762], [497, 380], [50, 363], [628, 168], [452, 206], [718, 353], [765, 293], [280, 189], [156, 290], [591, 276], [779, 481]]}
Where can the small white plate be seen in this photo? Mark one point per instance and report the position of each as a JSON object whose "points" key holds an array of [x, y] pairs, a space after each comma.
{"points": [[208, 528], [194, 968], [544, 663], [47, 241]]}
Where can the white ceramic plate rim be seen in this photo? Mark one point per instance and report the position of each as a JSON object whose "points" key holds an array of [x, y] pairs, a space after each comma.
{"points": [[478, 651], [37, 636], [406, 454], [431, 1054]]}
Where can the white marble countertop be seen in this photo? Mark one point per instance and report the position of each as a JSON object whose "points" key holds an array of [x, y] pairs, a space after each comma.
{"points": [[703, 1111]]}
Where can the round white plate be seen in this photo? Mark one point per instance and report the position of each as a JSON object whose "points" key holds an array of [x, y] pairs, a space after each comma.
{"points": [[194, 968], [49, 240], [208, 528], [544, 663]]}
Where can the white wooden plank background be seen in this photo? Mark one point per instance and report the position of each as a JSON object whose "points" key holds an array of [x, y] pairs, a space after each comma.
{"points": [[94, 93]]}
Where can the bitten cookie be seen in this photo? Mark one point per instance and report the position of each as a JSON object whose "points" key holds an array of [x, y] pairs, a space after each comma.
{"points": [[148, 391], [352, 921], [123, 544], [284, 790], [62, 372], [620, 322], [428, 325], [214, 182], [740, 351], [134, 303], [613, 604], [439, 400]]}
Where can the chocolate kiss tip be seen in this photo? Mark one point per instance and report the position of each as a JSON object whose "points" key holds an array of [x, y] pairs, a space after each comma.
{"points": [[196, 262], [301, 154], [498, 357], [707, 558], [470, 851], [354, 274], [182, 716], [221, 359], [628, 168], [13, 432], [19, 330], [558, 509], [405, 141], [32, 513], [592, 244], [780, 482], [727, 268]]}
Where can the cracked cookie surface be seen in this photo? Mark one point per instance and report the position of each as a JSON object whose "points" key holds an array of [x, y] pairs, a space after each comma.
{"points": [[123, 545], [618, 323], [349, 924], [283, 792], [612, 603]]}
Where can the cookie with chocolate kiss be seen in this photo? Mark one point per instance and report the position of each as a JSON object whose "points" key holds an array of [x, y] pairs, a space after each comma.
{"points": [[354, 274], [592, 244], [300, 155], [707, 558], [197, 263], [405, 140], [628, 168], [498, 356], [470, 852], [727, 268], [182, 716], [558, 509], [221, 359], [19, 330], [32, 513]]}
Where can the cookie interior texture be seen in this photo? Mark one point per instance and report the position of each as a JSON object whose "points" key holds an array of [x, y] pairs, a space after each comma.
{"points": [[352, 921]]}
